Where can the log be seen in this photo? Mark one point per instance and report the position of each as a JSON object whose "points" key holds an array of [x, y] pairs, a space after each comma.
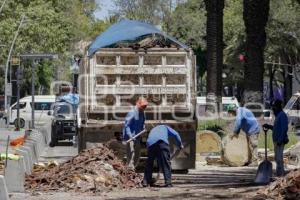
{"points": [[208, 143], [236, 150]]}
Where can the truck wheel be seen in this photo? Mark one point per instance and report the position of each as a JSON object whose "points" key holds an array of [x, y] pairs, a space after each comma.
{"points": [[22, 123], [53, 141], [52, 144], [5, 119]]}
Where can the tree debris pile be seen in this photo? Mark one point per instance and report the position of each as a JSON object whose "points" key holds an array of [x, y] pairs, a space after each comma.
{"points": [[146, 42], [287, 187], [93, 170]]}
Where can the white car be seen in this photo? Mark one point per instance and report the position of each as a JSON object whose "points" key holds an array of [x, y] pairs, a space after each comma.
{"points": [[42, 104], [227, 103]]}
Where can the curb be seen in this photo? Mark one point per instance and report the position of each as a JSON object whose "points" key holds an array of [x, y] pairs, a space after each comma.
{"points": [[3, 189], [29, 153], [26, 160], [15, 175]]}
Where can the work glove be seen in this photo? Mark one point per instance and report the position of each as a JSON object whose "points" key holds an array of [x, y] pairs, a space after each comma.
{"points": [[133, 139]]}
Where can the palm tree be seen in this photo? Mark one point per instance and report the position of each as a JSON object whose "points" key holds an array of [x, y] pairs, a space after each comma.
{"points": [[255, 16], [214, 39]]}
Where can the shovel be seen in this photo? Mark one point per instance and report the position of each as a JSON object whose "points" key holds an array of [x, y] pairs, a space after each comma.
{"points": [[136, 136], [264, 171]]}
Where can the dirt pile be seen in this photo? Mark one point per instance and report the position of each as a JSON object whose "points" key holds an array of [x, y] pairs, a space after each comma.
{"points": [[287, 187], [93, 170]]}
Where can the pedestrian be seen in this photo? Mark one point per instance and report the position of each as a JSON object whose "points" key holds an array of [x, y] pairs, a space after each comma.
{"points": [[158, 149], [134, 123], [279, 135], [246, 121]]}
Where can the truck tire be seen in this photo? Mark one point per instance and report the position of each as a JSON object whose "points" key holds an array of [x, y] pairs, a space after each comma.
{"points": [[54, 140], [22, 123]]}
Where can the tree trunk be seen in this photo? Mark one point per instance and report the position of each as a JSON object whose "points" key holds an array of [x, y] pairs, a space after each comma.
{"points": [[255, 16], [288, 83], [272, 71], [287, 75], [214, 39], [236, 150]]}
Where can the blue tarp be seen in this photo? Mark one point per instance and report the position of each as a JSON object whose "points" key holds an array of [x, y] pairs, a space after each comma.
{"points": [[70, 98], [127, 30]]}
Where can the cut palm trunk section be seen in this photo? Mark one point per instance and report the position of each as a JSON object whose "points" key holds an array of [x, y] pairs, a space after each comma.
{"points": [[208, 143], [235, 150]]}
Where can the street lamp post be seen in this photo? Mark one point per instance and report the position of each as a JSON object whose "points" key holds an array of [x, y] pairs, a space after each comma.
{"points": [[19, 75], [35, 58], [7, 65]]}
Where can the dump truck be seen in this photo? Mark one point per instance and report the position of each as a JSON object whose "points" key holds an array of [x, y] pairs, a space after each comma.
{"points": [[112, 78]]}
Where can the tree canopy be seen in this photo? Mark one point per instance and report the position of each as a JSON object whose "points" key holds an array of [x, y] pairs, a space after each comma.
{"points": [[50, 26], [57, 26]]}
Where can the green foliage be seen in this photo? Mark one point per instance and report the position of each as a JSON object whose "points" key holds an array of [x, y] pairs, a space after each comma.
{"points": [[97, 28], [151, 11], [188, 24], [234, 39], [213, 125], [51, 26], [283, 32], [261, 141]]}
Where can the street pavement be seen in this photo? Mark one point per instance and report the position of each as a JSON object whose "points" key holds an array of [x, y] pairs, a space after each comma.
{"points": [[205, 182]]}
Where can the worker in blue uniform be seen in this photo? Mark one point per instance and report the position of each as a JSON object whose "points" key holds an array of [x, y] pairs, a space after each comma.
{"points": [[134, 123], [158, 148]]}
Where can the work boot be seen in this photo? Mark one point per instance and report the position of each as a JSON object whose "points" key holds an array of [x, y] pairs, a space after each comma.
{"points": [[168, 185], [145, 183]]}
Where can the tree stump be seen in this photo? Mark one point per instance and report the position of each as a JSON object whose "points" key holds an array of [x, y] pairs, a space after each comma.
{"points": [[236, 150], [208, 143]]}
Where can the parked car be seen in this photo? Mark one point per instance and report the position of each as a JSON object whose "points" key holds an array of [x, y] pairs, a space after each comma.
{"points": [[64, 122], [227, 104]]}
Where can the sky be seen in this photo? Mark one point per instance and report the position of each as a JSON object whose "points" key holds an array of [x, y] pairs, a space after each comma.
{"points": [[105, 5]]}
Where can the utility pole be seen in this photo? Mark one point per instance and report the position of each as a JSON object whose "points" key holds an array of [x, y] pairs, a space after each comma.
{"points": [[19, 80], [7, 65], [15, 61], [34, 63], [35, 59]]}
